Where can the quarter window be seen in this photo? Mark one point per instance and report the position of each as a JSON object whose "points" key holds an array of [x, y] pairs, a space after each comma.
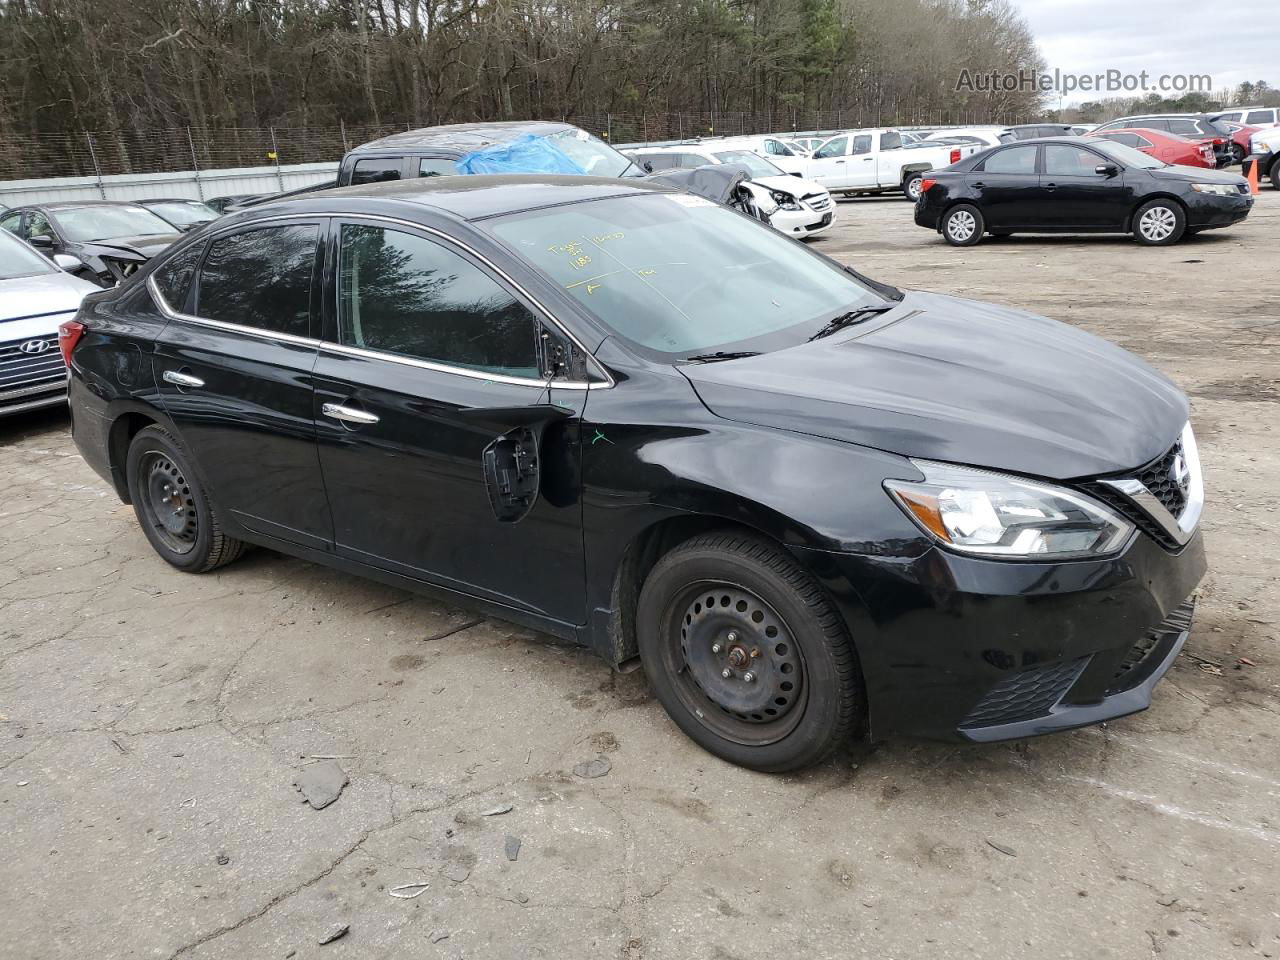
{"points": [[261, 278], [174, 278], [376, 170], [1012, 160], [407, 295]]}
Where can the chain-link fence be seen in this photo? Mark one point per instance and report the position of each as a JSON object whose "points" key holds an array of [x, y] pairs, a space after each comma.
{"points": [[104, 153]]}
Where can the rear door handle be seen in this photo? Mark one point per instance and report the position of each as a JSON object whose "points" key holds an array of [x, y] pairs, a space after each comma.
{"points": [[180, 379], [348, 414], [978, 183], [1051, 187]]}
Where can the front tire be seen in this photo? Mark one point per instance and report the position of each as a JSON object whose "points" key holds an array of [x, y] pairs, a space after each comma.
{"points": [[172, 507], [747, 655], [962, 225], [1159, 223]]}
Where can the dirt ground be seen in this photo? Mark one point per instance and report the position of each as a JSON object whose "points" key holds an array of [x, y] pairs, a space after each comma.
{"points": [[152, 725]]}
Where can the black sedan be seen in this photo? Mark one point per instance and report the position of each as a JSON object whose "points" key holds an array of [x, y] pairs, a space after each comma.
{"points": [[1067, 185], [111, 239], [809, 504]]}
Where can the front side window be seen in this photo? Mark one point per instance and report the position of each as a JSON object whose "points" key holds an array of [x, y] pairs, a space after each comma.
{"points": [[1129, 157], [261, 278], [38, 226], [833, 148], [403, 294], [1061, 160], [676, 275], [376, 170], [437, 167], [1017, 160], [12, 223]]}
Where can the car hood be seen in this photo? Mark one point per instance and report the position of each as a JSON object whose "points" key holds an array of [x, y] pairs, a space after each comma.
{"points": [[147, 245], [942, 378], [36, 296], [1196, 175], [796, 186]]}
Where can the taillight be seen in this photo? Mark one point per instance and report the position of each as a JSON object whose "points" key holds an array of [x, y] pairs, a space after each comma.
{"points": [[955, 154], [69, 335], [925, 184]]}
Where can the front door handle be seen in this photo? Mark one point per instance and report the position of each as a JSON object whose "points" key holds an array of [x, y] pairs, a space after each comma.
{"points": [[978, 183], [180, 379], [1050, 187], [348, 414]]}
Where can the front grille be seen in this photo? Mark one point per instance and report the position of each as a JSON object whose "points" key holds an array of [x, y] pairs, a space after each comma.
{"points": [[818, 201], [24, 374], [1151, 649], [1025, 695], [1158, 478], [1131, 512]]}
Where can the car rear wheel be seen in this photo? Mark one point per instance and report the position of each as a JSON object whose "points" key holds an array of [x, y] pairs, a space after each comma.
{"points": [[1275, 175], [911, 186], [172, 507], [747, 654], [962, 225], [1159, 223]]}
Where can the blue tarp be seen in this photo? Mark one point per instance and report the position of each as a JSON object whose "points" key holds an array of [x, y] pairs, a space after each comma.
{"points": [[529, 154]]}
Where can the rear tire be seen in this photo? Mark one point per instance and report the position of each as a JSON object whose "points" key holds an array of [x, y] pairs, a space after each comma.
{"points": [[173, 509], [1275, 175], [962, 225], [1159, 223], [730, 602], [911, 186]]}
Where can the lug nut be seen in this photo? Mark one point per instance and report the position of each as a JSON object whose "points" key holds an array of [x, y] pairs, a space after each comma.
{"points": [[726, 673], [755, 652], [732, 637], [715, 648], [748, 676]]}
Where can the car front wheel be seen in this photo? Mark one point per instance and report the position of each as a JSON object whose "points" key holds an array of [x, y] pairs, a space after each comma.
{"points": [[747, 654], [962, 226], [1159, 223], [172, 507]]}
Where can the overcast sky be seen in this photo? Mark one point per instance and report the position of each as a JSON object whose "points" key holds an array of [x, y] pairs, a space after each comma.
{"points": [[1231, 42]]}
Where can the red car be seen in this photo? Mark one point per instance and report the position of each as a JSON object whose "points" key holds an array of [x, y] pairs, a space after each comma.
{"points": [[1240, 135], [1165, 146]]}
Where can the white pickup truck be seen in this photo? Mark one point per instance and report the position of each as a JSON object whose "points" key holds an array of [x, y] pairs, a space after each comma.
{"points": [[877, 161]]}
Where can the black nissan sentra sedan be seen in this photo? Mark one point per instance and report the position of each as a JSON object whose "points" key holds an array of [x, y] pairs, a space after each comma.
{"points": [[809, 504], [1077, 185]]}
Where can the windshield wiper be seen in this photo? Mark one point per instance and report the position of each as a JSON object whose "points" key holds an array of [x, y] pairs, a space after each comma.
{"points": [[721, 355], [849, 319]]}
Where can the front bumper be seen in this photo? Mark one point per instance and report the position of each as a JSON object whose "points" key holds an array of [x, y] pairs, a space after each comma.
{"points": [[1205, 210], [32, 374], [803, 223], [961, 648]]}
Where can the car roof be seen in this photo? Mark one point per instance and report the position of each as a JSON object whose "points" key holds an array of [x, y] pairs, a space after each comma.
{"points": [[168, 200], [463, 137], [73, 204], [468, 197]]}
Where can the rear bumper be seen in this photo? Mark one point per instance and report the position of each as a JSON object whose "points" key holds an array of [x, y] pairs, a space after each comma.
{"points": [[926, 214], [961, 648]]}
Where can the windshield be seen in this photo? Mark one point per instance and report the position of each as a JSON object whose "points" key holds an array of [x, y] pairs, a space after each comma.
{"points": [[594, 156], [1128, 156], [19, 260], [80, 224], [676, 275], [758, 165], [185, 212]]}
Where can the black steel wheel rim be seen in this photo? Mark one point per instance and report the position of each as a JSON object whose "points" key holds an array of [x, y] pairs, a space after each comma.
{"points": [[737, 667], [167, 503]]}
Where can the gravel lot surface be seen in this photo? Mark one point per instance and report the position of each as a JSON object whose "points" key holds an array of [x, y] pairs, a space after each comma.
{"points": [[153, 724]]}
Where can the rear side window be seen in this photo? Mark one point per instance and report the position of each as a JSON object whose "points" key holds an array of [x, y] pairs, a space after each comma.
{"points": [[410, 296], [1230, 116], [861, 144], [1012, 160], [174, 278], [376, 170], [1184, 128], [437, 167], [891, 140], [1258, 116], [261, 278], [12, 223]]}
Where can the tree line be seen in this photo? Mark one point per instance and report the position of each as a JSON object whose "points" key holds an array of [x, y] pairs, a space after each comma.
{"points": [[211, 65]]}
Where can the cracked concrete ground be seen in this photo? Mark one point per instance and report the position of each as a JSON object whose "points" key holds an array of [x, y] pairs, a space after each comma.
{"points": [[152, 725]]}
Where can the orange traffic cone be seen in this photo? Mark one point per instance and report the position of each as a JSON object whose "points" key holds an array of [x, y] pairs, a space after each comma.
{"points": [[1253, 177]]}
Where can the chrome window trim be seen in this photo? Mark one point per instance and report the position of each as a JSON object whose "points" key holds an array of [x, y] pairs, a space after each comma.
{"points": [[1180, 529], [330, 347], [607, 383]]}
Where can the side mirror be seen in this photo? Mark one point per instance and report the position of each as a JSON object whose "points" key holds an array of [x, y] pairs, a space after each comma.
{"points": [[1106, 169], [794, 174], [43, 241], [648, 166], [67, 262]]}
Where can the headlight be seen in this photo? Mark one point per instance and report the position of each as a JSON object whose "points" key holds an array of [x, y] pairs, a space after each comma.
{"points": [[997, 515], [1259, 146], [1217, 189], [784, 200]]}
